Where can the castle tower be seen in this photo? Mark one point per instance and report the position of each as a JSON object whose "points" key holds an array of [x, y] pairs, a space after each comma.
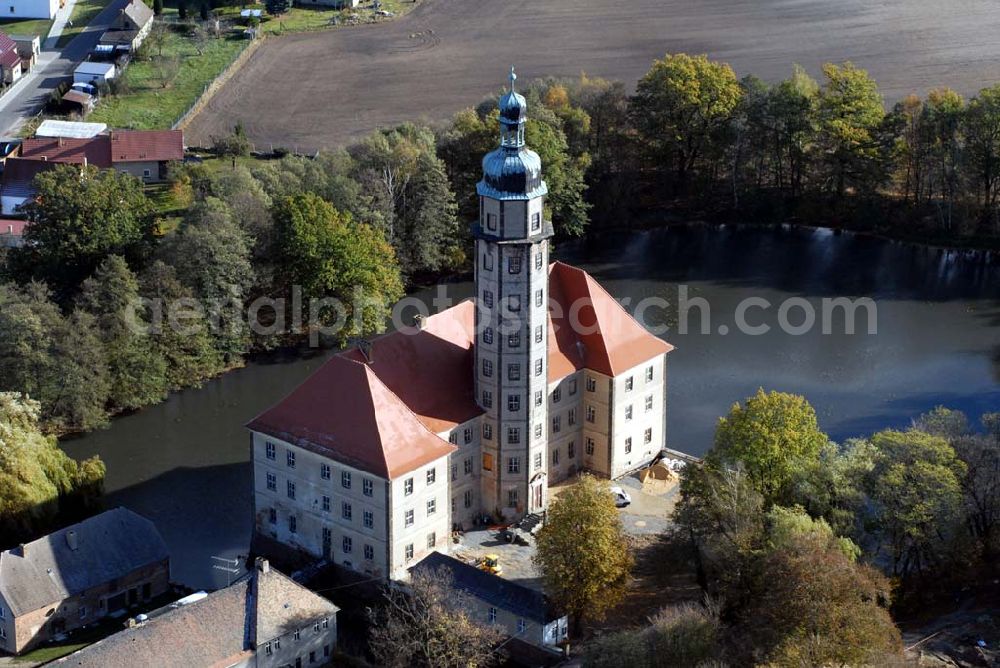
{"points": [[511, 240]]}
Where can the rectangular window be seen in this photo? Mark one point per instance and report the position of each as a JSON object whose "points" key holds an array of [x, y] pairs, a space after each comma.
{"points": [[487, 462], [345, 479], [348, 545], [514, 340], [324, 471], [649, 403], [272, 482], [522, 626], [571, 450], [628, 412], [556, 395], [513, 372], [536, 222], [538, 334], [649, 374], [468, 498], [408, 552], [538, 367], [591, 384], [272, 517], [590, 446], [538, 460], [454, 472], [591, 414], [628, 445], [367, 487], [487, 262], [467, 435], [538, 397], [491, 221], [514, 303], [408, 518], [487, 431], [538, 430], [555, 457], [538, 260], [291, 489], [487, 399], [431, 540], [432, 507], [83, 611], [408, 487], [556, 424], [269, 450], [538, 298], [572, 387], [492, 615], [513, 402], [293, 524], [647, 437], [369, 554], [628, 384], [267, 648], [345, 510], [512, 498], [453, 438], [488, 336], [513, 465], [467, 464], [290, 459], [369, 519], [487, 368], [514, 264], [432, 473], [326, 504], [488, 298], [571, 416]]}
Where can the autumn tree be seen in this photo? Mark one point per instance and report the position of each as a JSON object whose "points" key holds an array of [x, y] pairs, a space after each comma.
{"points": [[681, 636], [981, 129], [772, 435], [39, 483], [582, 552], [428, 624], [681, 106], [82, 215]]}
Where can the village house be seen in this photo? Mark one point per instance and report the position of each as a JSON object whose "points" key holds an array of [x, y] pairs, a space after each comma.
{"points": [[28, 47], [524, 613], [264, 619], [10, 60], [78, 575], [475, 410], [17, 186], [130, 28], [145, 154], [30, 9]]}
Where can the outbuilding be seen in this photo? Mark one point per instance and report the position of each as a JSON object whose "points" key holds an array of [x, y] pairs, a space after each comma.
{"points": [[94, 73]]}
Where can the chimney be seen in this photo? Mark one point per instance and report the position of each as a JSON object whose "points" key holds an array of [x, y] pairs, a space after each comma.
{"points": [[263, 565], [419, 321], [60, 141], [71, 539], [23, 549]]}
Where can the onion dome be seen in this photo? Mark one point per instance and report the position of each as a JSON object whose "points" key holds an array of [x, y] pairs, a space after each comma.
{"points": [[512, 171]]}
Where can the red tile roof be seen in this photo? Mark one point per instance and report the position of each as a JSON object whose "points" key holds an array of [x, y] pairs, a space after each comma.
{"points": [[8, 51], [381, 413], [143, 145], [346, 410], [12, 226], [68, 149]]}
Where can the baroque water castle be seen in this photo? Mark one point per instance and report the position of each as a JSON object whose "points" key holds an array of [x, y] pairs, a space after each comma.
{"points": [[476, 410]]}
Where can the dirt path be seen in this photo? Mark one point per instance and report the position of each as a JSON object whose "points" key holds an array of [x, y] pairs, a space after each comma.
{"points": [[322, 89]]}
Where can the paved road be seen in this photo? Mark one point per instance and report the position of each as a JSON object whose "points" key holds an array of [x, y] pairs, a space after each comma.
{"points": [[53, 66], [324, 89]]}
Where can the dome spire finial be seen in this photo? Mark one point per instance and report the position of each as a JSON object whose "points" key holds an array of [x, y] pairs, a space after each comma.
{"points": [[513, 78]]}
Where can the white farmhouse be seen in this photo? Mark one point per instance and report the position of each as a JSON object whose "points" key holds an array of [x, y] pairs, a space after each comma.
{"points": [[475, 410]]}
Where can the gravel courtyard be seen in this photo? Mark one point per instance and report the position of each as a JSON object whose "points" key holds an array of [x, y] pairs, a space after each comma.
{"points": [[323, 89]]}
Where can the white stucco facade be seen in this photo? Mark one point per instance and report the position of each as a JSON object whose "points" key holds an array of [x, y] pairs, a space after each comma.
{"points": [[29, 9]]}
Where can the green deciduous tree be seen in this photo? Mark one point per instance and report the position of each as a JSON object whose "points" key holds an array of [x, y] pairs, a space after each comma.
{"points": [[681, 107], [773, 435], [981, 129], [82, 215], [137, 372], [582, 552], [39, 483]]}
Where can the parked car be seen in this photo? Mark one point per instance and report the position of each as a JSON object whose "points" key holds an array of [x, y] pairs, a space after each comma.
{"points": [[622, 498], [84, 88]]}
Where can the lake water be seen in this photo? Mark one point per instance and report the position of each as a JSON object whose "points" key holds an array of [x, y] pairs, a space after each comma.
{"points": [[184, 463]]}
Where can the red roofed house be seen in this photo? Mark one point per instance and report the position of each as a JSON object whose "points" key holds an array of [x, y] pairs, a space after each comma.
{"points": [[144, 154], [478, 409], [10, 60]]}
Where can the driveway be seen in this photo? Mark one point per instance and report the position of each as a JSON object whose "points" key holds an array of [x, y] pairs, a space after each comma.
{"points": [[30, 93]]}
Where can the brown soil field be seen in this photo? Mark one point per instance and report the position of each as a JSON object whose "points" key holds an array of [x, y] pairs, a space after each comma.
{"points": [[322, 89]]}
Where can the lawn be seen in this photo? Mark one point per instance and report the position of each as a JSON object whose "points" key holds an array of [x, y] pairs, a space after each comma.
{"points": [[26, 27], [84, 12], [307, 19], [149, 104]]}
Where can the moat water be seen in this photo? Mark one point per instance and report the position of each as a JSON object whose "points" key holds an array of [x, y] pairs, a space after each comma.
{"points": [[184, 463]]}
